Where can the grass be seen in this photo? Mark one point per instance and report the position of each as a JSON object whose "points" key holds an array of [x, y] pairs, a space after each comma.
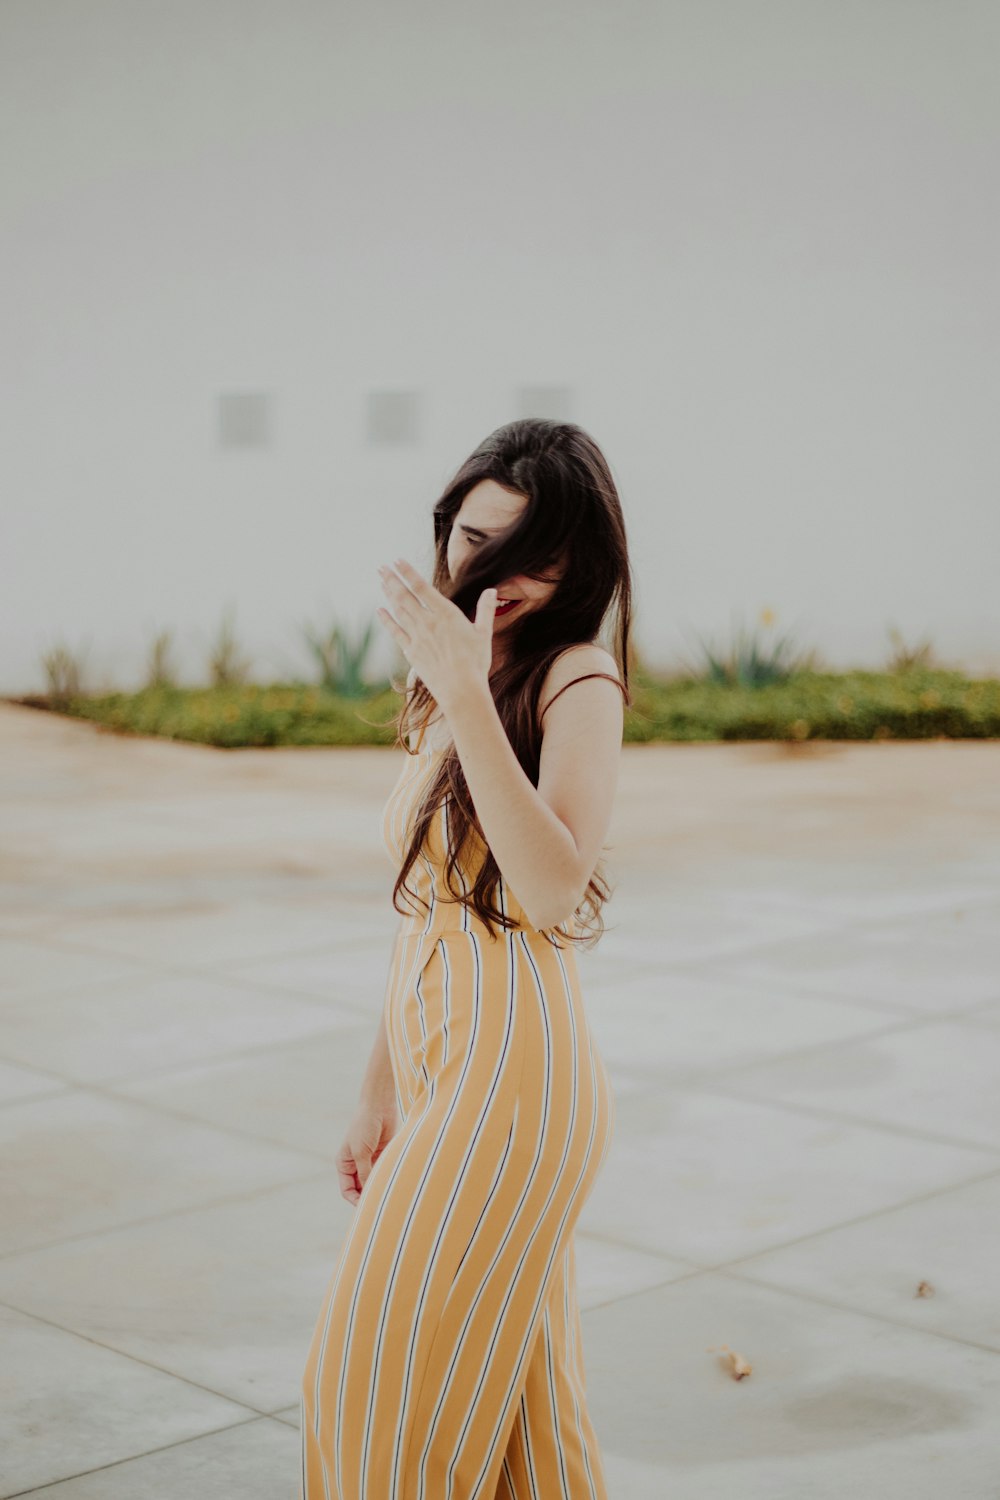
{"points": [[240, 714], [813, 705], [913, 704]]}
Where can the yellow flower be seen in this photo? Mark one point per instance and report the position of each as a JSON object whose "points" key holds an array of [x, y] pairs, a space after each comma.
{"points": [[767, 616]]}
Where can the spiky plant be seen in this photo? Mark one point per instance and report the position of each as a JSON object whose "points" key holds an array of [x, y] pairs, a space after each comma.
{"points": [[227, 666], [160, 672], [341, 659], [752, 660], [905, 658], [63, 670]]}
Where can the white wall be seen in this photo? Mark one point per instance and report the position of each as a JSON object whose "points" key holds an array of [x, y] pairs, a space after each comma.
{"points": [[758, 240]]}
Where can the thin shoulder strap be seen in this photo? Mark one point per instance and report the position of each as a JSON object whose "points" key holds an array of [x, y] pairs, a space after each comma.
{"points": [[616, 680]]}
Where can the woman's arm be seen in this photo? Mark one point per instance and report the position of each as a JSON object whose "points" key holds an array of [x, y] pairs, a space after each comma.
{"points": [[378, 1087], [546, 839], [373, 1124]]}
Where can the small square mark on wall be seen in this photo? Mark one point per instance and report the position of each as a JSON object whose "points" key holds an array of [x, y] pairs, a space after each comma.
{"points": [[552, 401], [244, 419], [392, 417]]}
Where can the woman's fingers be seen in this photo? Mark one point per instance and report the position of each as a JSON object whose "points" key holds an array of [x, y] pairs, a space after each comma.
{"points": [[350, 1187], [351, 1182], [424, 592], [485, 610], [405, 604], [393, 627]]}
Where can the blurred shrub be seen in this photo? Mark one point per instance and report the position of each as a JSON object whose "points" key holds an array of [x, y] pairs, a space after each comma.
{"points": [[806, 706], [63, 670], [909, 658], [821, 705], [752, 660], [341, 659], [227, 666], [160, 671], [247, 715]]}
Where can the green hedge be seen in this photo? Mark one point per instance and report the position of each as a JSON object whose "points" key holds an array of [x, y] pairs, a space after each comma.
{"points": [[232, 717], [919, 704]]}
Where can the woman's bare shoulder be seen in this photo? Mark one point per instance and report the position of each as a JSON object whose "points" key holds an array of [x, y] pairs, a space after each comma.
{"points": [[575, 661]]}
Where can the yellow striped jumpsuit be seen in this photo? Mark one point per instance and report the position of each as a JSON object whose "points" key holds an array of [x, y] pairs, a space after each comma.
{"points": [[447, 1362]]}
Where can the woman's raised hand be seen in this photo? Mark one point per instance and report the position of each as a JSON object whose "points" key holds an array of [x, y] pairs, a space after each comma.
{"points": [[447, 651]]}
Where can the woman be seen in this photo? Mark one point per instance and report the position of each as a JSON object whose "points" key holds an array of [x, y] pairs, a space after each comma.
{"points": [[446, 1360]]}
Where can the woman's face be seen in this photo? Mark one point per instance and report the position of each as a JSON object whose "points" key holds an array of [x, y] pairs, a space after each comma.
{"points": [[487, 509]]}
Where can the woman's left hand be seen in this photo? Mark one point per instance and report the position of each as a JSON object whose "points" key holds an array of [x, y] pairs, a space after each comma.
{"points": [[446, 650]]}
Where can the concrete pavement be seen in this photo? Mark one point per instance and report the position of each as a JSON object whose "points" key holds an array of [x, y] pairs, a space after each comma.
{"points": [[798, 997]]}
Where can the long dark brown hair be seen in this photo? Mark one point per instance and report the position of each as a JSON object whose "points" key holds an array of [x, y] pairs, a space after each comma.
{"points": [[573, 517]]}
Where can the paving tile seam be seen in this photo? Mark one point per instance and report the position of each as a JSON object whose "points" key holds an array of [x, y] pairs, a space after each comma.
{"points": [[837, 1117], [909, 1022], [16, 1062], [611, 1237], [34, 1096], [134, 1457], [251, 1137], [719, 972], [150, 969], [240, 1054], [852, 927], [711, 971], [932, 907], [800, 1294], [971, 1012], [286, 992], [120, 1096], [726, 1269], [353, 1020], [839, 930], [721, 969], [48, 931], [704, 1085], [928, 1196], [364, 1009], [136, 1359], [974, 1022], [83, 987], [656, 1286], [699, 1268], [342, 947], [691, 1267], [23, 928], [888, 1008], [702, 965], [224, 1201], [695, 1074], [91, 950]]}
